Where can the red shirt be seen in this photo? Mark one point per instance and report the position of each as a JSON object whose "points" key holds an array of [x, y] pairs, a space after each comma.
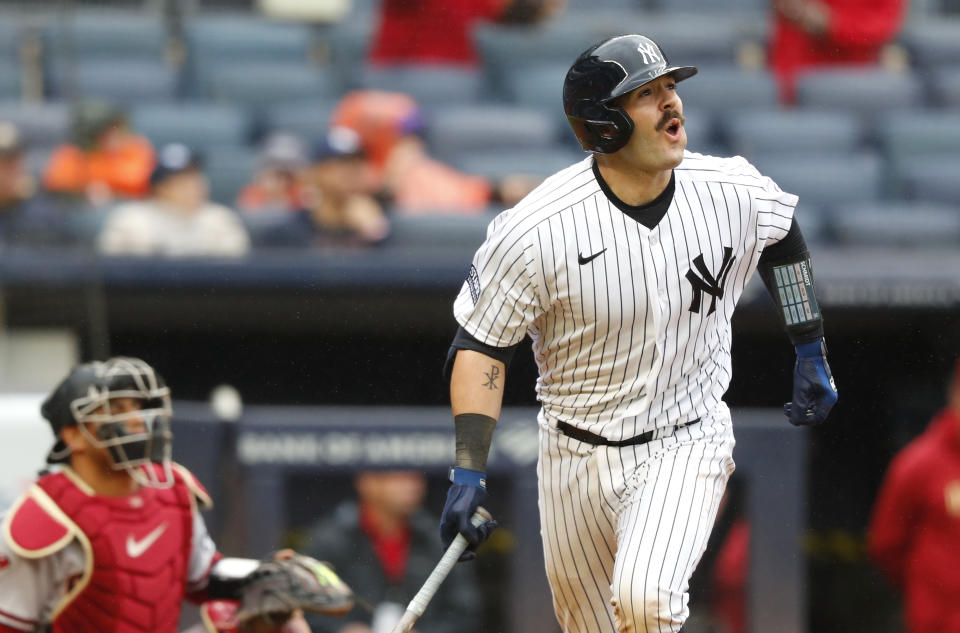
{"points": [[392, 550], [857, 31], [430, 31], [915, 529]]}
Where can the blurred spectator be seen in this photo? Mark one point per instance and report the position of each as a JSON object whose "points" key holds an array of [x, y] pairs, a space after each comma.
{"points": [[914, 534], [178, 219], [814, 33], [414, 183], [106, 159], [384, 546], [25, 218], [440, 31], [276, 187]]}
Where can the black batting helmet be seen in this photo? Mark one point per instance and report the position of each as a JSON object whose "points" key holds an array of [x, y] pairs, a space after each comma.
{"points": [[604, 72]]}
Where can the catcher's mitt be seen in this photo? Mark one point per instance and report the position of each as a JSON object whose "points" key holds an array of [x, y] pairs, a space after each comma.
{"points": [[278, 588]]}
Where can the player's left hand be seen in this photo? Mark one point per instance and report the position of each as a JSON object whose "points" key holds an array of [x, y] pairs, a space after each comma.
{"points": [[814, 391]]}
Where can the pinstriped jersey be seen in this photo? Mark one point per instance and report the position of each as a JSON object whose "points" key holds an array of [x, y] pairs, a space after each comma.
{"points": [[630, 325]]}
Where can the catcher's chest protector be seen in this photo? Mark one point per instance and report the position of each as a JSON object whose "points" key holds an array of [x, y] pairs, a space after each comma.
{"points": [[141, 547]]}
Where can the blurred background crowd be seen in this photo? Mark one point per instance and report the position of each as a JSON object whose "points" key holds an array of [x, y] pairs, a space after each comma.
{"points": [[284, 195]]}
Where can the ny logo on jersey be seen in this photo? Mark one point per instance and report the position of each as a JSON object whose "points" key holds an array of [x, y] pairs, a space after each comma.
{"points": [[649, 51], [708, 283]]}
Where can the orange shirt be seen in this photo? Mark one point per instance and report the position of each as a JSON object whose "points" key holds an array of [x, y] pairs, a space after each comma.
{"points": [[125, 170]]}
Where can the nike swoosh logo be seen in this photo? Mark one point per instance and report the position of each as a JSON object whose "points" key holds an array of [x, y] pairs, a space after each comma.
{"points": [[586, 260], [135, 548]]}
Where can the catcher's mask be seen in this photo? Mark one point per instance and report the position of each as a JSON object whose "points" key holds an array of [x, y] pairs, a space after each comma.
{"points": [[121, 405]]}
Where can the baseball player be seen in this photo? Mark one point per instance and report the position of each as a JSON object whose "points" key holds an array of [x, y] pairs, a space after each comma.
{"points": [[111, 539], [624, 269]]}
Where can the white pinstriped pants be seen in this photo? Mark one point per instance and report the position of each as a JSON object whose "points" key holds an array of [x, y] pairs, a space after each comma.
{"points": [[624, 528]]}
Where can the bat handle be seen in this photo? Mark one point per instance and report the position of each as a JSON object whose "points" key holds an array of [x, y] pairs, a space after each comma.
{"points": [[419, 603]]}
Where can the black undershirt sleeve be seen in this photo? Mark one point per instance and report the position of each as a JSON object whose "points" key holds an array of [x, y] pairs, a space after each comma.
{"points": [[463, 340], [787, 273]]}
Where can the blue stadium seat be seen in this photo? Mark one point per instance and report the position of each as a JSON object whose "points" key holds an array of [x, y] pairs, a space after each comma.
{"points": [[106, 35], [694, 39], [739, 7], [729, 89], [898, 223], [931, 178], [43, 125], [229, 169], [700, 126], [120, 81], [911, 133], [537, 163], [755, 133], [348, 46], [9, 80], [946, 86], [428, 85], [246, 39], [10, 33], [932, 43], [265, 83], [452, 230], [539, 87], [201, 125], [813, 223], [308, 119], [455, 130], [864, 91], [826, 180]]}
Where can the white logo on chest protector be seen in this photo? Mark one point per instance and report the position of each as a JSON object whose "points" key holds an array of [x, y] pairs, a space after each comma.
{"points": [[135, 548]]}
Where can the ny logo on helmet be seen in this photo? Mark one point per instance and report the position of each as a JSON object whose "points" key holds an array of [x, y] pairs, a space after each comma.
{"points": [[650, 52]]}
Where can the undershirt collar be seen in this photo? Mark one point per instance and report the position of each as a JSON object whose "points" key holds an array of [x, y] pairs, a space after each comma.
{"points": [[648, 214]]}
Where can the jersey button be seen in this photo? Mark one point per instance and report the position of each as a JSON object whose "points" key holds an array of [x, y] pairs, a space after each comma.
{"points": [[654, 240]]}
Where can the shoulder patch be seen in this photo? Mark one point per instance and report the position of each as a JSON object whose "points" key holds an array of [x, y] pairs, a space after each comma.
{"points": [[36, 527], [473, 282], [201, 494]]}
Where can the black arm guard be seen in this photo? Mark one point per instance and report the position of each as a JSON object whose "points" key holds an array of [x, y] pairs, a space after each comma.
{"points": [[787, 273]]}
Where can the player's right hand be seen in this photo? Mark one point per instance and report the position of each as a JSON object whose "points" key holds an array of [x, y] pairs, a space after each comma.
{"points": [[467, 492]]}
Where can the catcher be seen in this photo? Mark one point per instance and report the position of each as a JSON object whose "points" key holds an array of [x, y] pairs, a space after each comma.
{"points": [[110, 539]]}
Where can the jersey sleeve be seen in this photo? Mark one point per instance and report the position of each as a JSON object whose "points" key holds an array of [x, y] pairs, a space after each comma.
{"points": [[500, 297], [774, 208], [203, 554], [30, 589]]}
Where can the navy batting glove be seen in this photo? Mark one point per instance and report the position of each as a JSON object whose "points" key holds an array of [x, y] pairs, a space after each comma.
{"points": [[466, 494], [814, 391]]}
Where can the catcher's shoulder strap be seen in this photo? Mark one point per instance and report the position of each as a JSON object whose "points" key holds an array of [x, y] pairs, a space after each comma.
{"points": [[36, 527], [193, 484], [219, 616]]}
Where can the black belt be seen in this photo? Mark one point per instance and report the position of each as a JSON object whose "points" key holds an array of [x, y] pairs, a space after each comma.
{"points": [[598, 440]]}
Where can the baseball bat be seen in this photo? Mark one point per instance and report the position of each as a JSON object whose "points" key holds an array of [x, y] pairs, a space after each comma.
{"points": [[420, 601]]}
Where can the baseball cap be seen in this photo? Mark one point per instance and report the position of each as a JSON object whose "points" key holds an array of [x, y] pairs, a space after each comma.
{"points": [[174, 158], [11, 141], [338, 142], [282, 150]]}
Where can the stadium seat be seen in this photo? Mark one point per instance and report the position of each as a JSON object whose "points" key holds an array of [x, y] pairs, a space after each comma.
{"points": [[931, 178], [905, 135], [946, 87], [864, 91], [755, 133], [454, 231], [428, 85], [9, 80], [459, 129], [43, 125], [265, 83], [10, 32], [701, 130], [228, 170], [729, 89], [826, 180], [739, 7], [201, 125], [539, 87], [932, 43], [693, 39], [898, 223], [246, 39], [538, 163], [347, 47], [106, 36], [308, 119], [813, 223], [120, 81]]}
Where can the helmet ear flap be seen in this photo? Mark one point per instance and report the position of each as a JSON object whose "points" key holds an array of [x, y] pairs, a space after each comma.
{"points": [[605, 130]]}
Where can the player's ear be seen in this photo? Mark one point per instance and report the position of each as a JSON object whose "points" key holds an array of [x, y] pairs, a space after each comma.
{"points": [[73, 438]]}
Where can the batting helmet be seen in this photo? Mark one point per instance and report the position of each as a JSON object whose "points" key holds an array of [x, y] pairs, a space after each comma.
{"points": [[604, 72]]}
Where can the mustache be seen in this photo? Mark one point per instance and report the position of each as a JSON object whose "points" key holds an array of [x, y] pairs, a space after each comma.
{"points": [[668, 116]]}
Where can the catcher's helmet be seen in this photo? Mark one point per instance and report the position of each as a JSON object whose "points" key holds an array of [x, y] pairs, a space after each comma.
{"points": [[134, 439], [604, 72]]}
